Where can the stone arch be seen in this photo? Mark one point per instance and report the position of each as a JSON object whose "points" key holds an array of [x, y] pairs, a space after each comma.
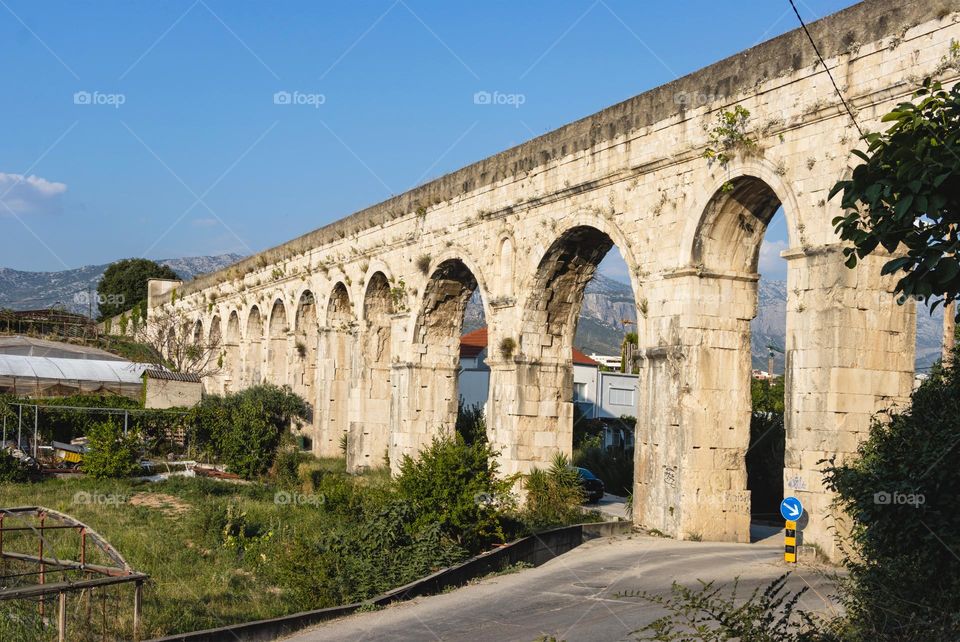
{"points": [[197, 336], [253, 337], [335, 371], [754, 180], [555, 293], [215, 336], [425, 390], [370, 428], [278, 329], [304, 360], [232, 361]]}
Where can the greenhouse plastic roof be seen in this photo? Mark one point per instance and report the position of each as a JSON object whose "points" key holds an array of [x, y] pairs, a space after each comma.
{"points": [[33, 347], [70, 369]]}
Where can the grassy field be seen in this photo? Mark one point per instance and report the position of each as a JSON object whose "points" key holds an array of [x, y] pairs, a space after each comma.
{"points": [[187, 534]]}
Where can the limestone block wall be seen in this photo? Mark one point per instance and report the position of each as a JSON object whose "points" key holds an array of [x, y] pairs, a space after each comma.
{"points": [[527, 227]]}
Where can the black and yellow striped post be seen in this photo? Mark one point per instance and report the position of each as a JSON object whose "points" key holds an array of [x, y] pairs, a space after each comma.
{"points": [[790, 543]]}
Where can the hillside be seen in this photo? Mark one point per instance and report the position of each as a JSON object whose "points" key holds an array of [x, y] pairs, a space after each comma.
{"points": [[606, 303], [71, 289]]}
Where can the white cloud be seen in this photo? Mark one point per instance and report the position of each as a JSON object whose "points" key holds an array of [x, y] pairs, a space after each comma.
{"points": [[772, 265], [29, 194]]}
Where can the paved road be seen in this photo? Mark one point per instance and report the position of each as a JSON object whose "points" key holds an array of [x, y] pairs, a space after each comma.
{"points": [[573, 597]]}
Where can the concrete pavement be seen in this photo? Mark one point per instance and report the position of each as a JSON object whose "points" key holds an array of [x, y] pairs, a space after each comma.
{"points": [[574, 597]]}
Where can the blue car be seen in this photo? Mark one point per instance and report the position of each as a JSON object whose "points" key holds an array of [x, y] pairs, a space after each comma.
{"points": [[592, 485]]}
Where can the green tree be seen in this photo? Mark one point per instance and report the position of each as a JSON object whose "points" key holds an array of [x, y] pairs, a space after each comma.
{"points": [[111, 454], [124, 284], [245, 429], [456, 485], [907, 190], [900, 496]]}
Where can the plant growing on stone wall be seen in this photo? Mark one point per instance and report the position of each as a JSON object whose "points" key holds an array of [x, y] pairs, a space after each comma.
{"points": [[728, 136], [398, 296], [423, 263], [301, 349], [507, 346]]}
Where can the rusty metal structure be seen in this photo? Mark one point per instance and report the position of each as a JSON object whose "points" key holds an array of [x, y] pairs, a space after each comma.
{"points": [[34, 544]]}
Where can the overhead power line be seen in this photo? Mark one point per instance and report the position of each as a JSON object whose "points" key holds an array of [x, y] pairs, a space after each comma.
{"points": [[827, 69]]}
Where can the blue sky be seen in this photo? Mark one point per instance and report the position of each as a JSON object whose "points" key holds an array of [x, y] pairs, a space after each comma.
{"points": [[151, 128]]}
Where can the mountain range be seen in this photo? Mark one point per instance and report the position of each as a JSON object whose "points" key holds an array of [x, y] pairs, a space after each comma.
{"points": [[607, 303], [72, 289]]}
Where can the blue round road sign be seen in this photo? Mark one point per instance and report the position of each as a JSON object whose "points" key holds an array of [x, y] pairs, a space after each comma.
{"points": [[791, 509]]}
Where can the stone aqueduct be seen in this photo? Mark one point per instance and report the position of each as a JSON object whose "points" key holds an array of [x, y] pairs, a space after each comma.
{"points": [[363, 316]]}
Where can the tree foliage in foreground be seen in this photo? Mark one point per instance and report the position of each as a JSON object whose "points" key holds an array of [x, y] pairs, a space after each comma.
{"points": [[901, 497], [907, 190]]}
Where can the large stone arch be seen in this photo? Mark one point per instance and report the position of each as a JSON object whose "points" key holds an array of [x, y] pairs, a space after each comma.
{"points": [[232, 360], [253, 355], [369, 436], [425, 389], [335, 371], [532, 389], [214, 340], [277, 343]]}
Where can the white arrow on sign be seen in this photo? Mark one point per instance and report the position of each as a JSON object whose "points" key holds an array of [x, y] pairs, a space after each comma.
{"points": [[793, 510]]}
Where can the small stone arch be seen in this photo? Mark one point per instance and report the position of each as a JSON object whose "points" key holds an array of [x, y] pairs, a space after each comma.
{"points": [[336, 371], [278, 329], [232, 360], [303, 364], [253, 362], [370, 431]]}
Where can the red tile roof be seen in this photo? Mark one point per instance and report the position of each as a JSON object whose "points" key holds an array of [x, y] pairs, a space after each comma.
{"points": [[473, 343]]}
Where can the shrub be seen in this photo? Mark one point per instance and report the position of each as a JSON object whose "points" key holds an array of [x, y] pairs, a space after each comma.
{"points": [[707, 614], [12, 470], [455, 485], [471, 424], [554, 496], [900, 495], [245, 429], [111, 454]]}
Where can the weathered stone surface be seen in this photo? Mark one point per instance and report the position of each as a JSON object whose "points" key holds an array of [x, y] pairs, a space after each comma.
{"points": [[377, 299]]}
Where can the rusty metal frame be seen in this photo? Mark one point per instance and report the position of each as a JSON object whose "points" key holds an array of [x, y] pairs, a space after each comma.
{"points": [[119, 573]]}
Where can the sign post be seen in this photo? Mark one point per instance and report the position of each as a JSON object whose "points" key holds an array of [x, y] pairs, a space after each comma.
{"points": [[790, 509]]}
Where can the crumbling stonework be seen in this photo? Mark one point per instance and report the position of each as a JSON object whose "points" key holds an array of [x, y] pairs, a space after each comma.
{"points": [[377, 298]]}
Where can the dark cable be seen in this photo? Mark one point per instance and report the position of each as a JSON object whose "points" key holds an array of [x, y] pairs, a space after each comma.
{"points": [[829, 75]]}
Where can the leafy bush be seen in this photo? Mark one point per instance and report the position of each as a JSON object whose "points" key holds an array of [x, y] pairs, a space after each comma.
{"points": [[12, 469], [111, 454], [901, 494], [245, 429], [455, 485], [554, 496], [709, 615], [471, 424], [379, 550]]}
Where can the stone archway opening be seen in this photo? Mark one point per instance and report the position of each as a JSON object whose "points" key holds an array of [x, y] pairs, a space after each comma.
{"points": [[427, 389], [277, 344], [742, 233], [303, 366], [566, 400], [335, 372], [369, 438], [232, 362], [253, 363]]}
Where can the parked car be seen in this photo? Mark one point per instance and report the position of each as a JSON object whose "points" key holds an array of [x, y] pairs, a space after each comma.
{"points": [[592, 485]]}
